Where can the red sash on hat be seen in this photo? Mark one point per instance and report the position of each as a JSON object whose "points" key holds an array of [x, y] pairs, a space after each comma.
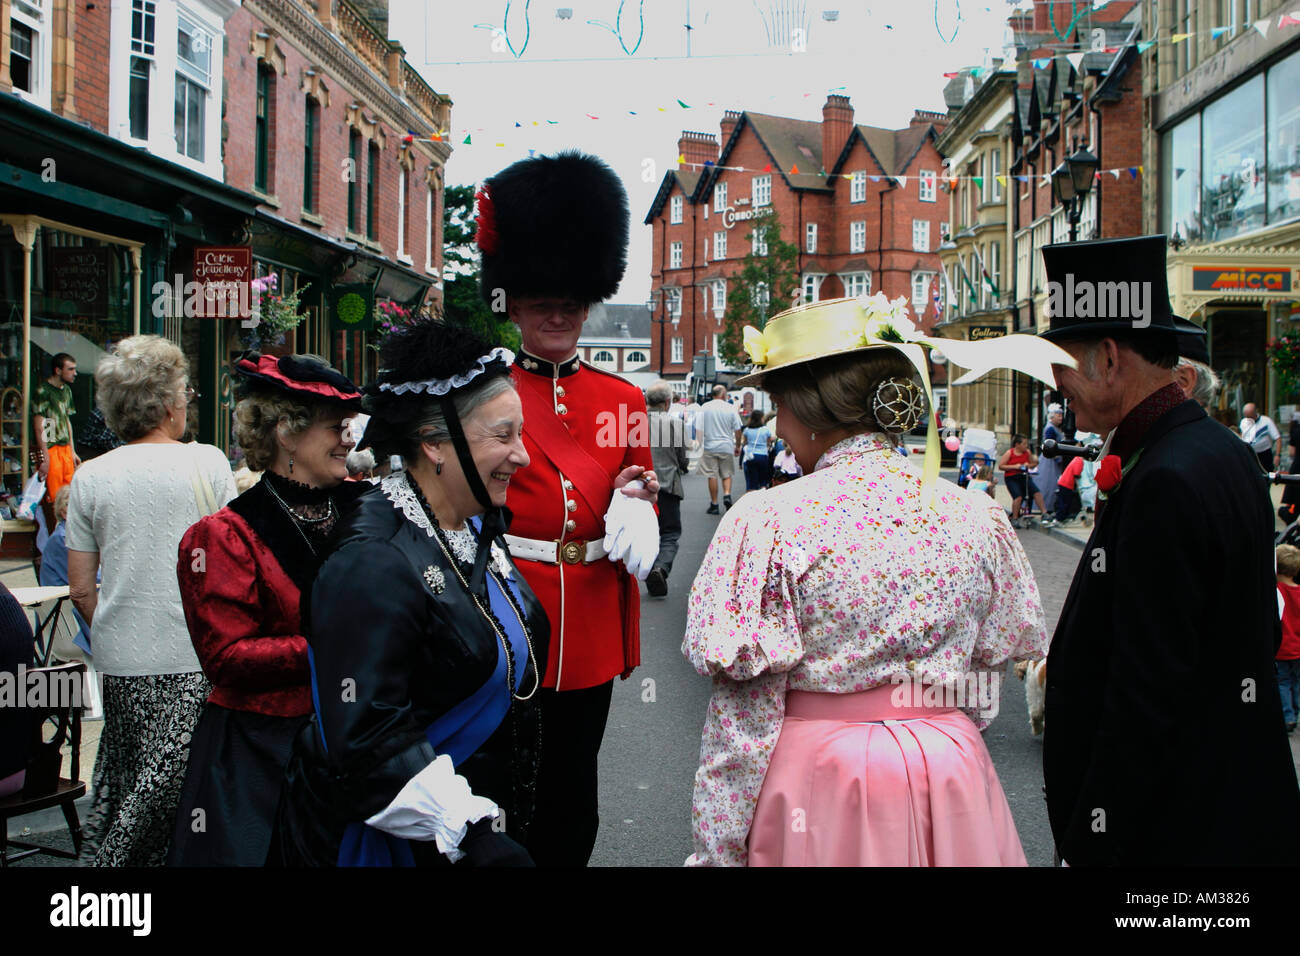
{"points": [[569, 457]]}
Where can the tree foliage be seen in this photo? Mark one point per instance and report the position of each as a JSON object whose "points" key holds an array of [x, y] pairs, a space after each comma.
{"points": [[461, 299], [766, 285]]}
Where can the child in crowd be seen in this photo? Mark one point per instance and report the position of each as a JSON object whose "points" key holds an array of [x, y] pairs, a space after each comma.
{"points": [[982, 481], [1287, 664]]}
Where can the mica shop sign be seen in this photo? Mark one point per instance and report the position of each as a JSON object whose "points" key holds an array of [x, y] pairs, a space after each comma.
{"points": [[223, 274], [79, 278], [1242, 278]]}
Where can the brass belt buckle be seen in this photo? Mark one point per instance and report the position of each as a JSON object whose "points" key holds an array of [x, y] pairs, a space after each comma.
{"points": [[572, 552]]}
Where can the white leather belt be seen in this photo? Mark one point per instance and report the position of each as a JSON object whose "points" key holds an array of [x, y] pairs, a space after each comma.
{"points": [[554, 551]]}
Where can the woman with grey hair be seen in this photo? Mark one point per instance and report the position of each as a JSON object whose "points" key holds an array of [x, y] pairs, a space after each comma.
{"points": [[127, 512], [431, 754], [242, 601]]}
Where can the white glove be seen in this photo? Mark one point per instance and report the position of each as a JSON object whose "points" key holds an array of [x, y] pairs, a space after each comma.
{"points": [[632, 532], [436, 804]]}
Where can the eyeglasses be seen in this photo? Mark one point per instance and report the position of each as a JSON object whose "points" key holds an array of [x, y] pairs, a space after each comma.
{"points": [[192, 393]]}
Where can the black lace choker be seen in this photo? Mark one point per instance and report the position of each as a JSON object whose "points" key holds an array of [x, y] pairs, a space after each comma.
{"points": [[297, 493]]}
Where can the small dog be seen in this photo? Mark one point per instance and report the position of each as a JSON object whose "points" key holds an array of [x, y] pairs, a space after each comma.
{"points": [[1034, 674]]}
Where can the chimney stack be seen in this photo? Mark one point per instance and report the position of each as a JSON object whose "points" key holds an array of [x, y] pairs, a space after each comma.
{"points": [[928, 118], [729, 120], [697, 148], [837, 125]]}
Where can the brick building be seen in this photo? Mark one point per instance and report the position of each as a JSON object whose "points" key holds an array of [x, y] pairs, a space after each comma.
{"points": [[860, 202], [137, 131], [1010, 127], [318, 105]]}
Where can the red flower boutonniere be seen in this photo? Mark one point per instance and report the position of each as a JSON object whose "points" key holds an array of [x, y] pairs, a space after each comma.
{"points": [[1109, 473]]}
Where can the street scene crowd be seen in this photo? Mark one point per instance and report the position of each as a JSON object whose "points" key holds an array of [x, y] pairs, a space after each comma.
{"points": [[392, 640]]}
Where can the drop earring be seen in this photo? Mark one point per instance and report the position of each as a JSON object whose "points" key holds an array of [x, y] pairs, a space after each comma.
{"points": [[437, 468], [291, 464], [812, 437]]}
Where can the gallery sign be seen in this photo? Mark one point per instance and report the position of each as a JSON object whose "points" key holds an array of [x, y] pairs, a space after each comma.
{"points": [[979, 333]]}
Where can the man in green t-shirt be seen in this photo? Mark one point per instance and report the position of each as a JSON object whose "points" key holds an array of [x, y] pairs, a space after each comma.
{"points": [[52, 411]]}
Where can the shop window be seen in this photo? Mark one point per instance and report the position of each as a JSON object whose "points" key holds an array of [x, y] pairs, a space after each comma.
{"points": [[1233, 187], [1180, 183], [1284, 140]]}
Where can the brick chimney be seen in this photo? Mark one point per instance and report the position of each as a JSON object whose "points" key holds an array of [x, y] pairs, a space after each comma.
{"points": [[928, 118], [837, 125], [1046, 10], [728, 125], [697, 148]]}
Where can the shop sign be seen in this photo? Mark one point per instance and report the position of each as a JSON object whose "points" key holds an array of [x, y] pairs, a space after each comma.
{"points": [[1241, 279], [79, 277], [354, 308], [979, 333], [223, 274]]}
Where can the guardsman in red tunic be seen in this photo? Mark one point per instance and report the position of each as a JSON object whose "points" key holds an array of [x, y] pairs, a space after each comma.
{"points": [[553, 232]]}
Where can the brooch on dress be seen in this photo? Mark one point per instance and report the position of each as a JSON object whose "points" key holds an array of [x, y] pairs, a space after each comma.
{"points": [[434, 578]]}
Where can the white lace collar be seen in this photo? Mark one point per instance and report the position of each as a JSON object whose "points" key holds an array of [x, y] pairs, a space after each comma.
{"points": [[463, 542]]}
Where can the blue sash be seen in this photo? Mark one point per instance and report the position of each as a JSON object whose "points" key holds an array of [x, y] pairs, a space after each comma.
{"points": [[458, 733]]}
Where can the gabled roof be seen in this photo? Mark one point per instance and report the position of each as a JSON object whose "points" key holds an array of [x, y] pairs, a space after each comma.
{"points": [[789, 143], [688, 179], [893, 150]]}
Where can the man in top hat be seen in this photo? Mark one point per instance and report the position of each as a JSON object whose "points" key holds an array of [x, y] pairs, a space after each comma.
{"points": [[1193, 373], [553, 231], [1165, 741]]}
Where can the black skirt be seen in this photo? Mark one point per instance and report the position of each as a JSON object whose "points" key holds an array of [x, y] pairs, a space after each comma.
{"points": [[232, 787]]}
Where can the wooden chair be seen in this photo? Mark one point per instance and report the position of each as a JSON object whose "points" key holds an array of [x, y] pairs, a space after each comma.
{"points": [[45, 787]]}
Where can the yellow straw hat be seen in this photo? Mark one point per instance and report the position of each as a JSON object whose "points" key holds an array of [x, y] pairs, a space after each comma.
{"points": [[819, 330]]}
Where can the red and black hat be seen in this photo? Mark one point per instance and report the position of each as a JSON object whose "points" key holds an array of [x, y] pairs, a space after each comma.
{"points": [[303, 377], [553, 226]]}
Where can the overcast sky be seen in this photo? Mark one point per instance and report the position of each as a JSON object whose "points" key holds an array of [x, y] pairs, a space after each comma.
{"points": [[512, 62]]}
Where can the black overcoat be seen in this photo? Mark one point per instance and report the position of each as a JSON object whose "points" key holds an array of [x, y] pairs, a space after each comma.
{"points": [[1165, 743]]}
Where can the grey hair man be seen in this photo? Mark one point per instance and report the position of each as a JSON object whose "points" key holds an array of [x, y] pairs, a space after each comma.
{"points": [[1198, 381], [668, 449]]}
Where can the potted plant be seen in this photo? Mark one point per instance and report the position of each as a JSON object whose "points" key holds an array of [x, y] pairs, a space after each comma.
{"points": [[277, 314]]}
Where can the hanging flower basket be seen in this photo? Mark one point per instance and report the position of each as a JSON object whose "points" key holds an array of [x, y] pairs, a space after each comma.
{"points": [[1284, 356], [277, 314]]}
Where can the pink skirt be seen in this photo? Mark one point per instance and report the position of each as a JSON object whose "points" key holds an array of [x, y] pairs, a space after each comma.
{"points": [[855, 781]]}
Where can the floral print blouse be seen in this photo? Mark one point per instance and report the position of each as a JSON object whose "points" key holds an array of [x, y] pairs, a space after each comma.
{"points": [[839, 582]]}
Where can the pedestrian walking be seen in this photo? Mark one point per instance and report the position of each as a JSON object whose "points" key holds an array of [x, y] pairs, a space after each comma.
{"points": [[420, 609], [553, 233], [719, 426], [128, 511], [241, 601], [1049, 469], [756, 456], [52, 411], [1259, 432], [1161, 689], [668, 450], [818, 601]]}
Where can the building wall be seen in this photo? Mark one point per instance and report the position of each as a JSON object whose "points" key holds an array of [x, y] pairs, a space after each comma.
{"points": [[90, 78], [337, 118]]}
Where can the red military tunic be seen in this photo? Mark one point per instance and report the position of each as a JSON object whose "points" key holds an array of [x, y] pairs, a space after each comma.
{"points": [[594, 608]]}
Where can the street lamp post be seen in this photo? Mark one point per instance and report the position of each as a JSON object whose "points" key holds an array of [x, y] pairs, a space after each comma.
{"points": [[1071, 183], [650, 307]]}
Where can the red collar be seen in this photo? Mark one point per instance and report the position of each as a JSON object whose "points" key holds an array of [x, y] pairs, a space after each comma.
{"points": [[1133, 429]]}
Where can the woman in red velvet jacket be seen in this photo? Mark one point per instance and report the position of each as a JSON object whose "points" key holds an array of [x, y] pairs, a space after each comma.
{"points": [[241, 573]]}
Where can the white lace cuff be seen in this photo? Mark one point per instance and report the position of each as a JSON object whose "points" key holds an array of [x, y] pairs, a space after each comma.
{"points": [[436, 804], [441, 386]]}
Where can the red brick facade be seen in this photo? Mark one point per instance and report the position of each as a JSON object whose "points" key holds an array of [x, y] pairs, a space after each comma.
{"points": [[809, 165]]}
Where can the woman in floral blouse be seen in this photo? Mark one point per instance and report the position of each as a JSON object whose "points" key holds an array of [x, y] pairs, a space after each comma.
{"points": [[856, 624]]}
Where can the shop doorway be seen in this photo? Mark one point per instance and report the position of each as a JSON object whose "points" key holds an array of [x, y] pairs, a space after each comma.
{"points": [[1237, 341]]}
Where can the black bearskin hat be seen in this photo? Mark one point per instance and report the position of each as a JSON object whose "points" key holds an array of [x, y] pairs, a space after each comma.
{"points": [[553, 226], [425, 350]]}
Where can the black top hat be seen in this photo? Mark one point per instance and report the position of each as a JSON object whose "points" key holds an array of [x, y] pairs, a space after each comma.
{"points": [[553, 226], [1107, 286], [1193, 343]]}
